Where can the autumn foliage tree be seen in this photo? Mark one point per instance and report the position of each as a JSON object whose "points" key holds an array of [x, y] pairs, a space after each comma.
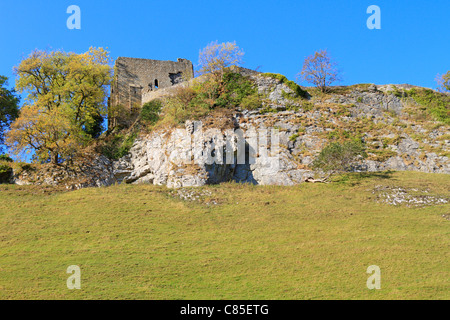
{"points": [[320, 70], [65, 105], [216, 57], [443, 82]]}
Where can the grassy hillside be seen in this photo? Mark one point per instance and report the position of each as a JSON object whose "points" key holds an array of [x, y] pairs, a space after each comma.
{"points": [[311, 241]]}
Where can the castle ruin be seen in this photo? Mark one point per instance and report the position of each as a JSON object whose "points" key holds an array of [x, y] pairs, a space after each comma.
{"points": [[134, 77]]}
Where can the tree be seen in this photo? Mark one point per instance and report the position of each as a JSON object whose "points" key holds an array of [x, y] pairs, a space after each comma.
{"points": [[215, 57], [443, 82], [65, 105], [9, 107], [338, 157], [320, 70]]}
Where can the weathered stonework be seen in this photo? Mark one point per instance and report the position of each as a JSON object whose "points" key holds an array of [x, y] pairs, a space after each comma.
{"points": [[135, 77], [167, 91]]}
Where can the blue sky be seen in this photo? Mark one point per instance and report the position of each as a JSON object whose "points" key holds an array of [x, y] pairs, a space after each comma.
{"points": [[412, 46]]}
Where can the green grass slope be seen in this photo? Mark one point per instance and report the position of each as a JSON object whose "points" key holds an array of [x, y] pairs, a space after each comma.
{"points": [[311, 241]]}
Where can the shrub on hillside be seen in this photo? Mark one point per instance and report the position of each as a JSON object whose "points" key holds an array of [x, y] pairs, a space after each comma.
{"points": [[298, 92], [5, 172], [150, 111], [236, 87], [6, 169], [251, 102], [118, 145], [339, 157], [433, 103], [5, 157]]}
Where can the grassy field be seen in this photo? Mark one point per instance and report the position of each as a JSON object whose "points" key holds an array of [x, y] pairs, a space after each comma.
{"points": [[311, 241]]}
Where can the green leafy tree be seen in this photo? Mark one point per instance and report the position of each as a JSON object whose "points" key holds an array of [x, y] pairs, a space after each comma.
{"points": [[9, 107], [65, 105]]}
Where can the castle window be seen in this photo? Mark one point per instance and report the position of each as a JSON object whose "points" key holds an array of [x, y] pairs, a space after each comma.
{"points": [[156, 84]]}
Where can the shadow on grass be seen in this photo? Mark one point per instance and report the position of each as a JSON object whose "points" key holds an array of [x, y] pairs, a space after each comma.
{"points": [[356, 178]]}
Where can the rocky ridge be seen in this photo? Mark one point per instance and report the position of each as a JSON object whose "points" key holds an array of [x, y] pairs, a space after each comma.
{"points": [[182, 157], [159, 157]]}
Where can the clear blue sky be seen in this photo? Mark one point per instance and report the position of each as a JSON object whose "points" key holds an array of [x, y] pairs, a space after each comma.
{"points": [[412, 46]]}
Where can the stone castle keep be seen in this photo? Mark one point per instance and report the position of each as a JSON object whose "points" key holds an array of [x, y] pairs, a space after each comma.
{"points": [[134, 77]]}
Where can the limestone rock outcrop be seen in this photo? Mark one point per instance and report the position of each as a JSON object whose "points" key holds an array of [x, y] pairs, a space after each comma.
{"points": [[289, 134], [182, 157]]}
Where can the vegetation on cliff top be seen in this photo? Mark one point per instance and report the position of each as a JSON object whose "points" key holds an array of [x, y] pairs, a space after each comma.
{"points": [[436, 104], [296, 89]]}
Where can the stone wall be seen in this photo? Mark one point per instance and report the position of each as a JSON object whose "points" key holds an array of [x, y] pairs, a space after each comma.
{"points": [[135, 77], [152, 95]]}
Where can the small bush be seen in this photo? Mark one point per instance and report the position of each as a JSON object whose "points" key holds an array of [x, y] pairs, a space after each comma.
{"points": [[5, 171], [339, 157], [307, 106], [294, 137], [177, 111], [235, 89], [118, 145], [126, 145], [150, 111], [5, 157], [4, 168], [251, 102], [23, 166], [298, 91]]}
